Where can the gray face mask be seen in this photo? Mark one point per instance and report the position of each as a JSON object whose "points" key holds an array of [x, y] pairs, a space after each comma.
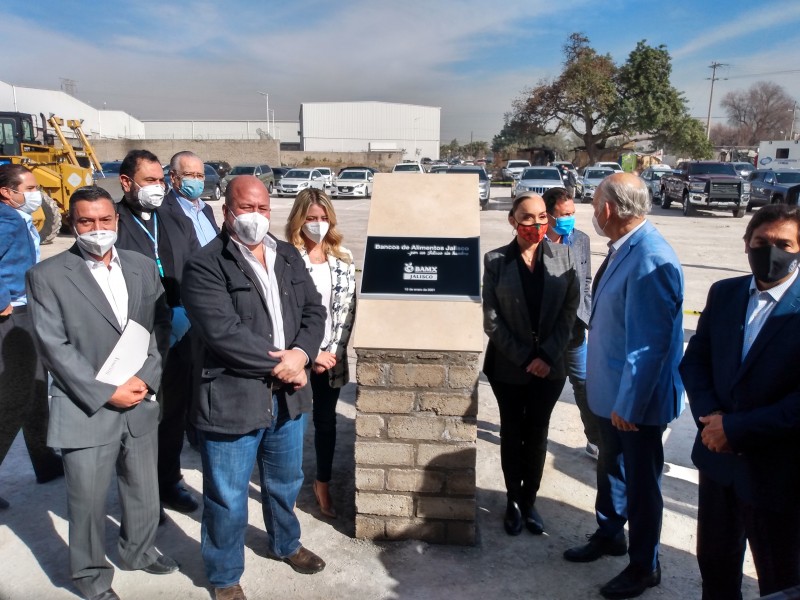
{"points": [[97, 242]]}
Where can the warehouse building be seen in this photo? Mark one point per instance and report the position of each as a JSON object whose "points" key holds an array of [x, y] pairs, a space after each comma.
{"points": [[369, 127]]}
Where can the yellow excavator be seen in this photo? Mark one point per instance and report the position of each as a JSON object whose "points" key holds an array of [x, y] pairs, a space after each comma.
{"points": [[59, 170]]}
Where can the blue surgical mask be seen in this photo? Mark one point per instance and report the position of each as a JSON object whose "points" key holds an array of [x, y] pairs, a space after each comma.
{"points": [[564, 225], [191, 188]]}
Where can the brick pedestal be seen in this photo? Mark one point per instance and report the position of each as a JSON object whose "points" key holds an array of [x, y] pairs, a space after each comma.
{"points": [[415, 446]]}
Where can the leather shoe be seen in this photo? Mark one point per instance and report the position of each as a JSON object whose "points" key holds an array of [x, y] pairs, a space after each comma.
{"points": [[233, 592], [177, 498], [109, 594], [305, 561], [323, 496], [54, 471], [533, 521], [598, 546], [163, 565], [512, 522], [632, 582]]}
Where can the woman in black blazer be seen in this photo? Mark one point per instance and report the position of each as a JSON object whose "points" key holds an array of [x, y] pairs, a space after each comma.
{"points": [[530, 299]]}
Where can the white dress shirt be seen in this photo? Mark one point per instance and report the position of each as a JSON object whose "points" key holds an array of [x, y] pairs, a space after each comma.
{"points": [[760, 307], [112, 282], [269, 286]]}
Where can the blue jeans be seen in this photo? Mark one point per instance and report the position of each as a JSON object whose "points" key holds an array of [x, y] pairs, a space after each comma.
{"points": [[227, 464], [576, 370]]}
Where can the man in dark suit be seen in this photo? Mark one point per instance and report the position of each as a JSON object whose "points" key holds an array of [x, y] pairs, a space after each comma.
{"points": [[633, 385], [187, 177], [145, 226], [253, 305], [23, 382], [80, 302], [561, 218], [742, 376]]}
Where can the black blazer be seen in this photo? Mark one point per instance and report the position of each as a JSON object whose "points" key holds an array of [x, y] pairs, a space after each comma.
{"points": [[229, 315], [760, 396], [179, 246], [171, 205], [505, 315]]}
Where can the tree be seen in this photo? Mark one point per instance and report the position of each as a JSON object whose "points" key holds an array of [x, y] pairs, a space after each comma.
{"points": [[600, 102], [762, 112]]}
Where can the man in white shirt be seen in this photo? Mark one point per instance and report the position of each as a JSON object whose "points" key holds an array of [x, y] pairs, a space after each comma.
{"points": [[80, 302], [740, 371], [259, 318]]}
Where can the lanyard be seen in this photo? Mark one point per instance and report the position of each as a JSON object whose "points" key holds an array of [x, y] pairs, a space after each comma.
{"points": [[153, 239]]}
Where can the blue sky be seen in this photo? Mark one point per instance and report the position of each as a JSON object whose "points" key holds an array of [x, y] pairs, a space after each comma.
{"points": [[208, 60]]}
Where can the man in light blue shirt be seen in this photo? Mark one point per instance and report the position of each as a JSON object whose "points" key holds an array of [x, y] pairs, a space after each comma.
{"points": [[187, 178], [23, 381]]}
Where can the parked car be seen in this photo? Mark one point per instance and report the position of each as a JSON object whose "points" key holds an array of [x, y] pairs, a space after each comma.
{"points": [[592, 176], [263, 172], [408, 167], [297, 180], [327, 174], [372, 169], [743, 169], [439, 169], [514, 168], [484, 184], [614, 166], [110, 169], [279, 172], [537, 179], [353, 183], [771, 187], [212, 184], [220, 166], [652, 179]]}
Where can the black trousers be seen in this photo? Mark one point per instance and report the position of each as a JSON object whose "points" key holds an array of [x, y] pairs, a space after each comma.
{"points": [[725, 524], [324, 413], [176, 396], [23, 392], [524, 421]]}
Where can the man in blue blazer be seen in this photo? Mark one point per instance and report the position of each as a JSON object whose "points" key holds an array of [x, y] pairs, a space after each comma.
{"points": [[743, 381], [633, 385]]}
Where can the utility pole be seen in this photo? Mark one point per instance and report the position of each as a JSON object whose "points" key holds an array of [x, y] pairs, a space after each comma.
{"points": [[794, 109], [713, 66]]}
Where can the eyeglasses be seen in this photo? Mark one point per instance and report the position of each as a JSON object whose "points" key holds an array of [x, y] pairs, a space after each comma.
{"points": [[191, 175]]}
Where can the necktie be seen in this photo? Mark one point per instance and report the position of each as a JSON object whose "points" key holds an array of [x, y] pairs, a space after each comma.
{"points": [[602, 269]]}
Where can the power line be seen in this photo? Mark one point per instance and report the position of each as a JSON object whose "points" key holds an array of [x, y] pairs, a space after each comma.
{"points": [[763, 74]]}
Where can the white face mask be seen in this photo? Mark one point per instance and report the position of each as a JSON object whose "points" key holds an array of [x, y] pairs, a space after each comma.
{"points": [[251, 228], [597, 227], [97, 242], [316, 230], [33, 200], [150, 197]]}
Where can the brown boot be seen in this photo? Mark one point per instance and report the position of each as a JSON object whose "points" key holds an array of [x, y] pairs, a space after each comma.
{"points": [[324, 499], [233, 592]]}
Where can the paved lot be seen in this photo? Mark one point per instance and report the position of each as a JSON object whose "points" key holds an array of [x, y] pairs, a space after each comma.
{"points": [[33, 533]]}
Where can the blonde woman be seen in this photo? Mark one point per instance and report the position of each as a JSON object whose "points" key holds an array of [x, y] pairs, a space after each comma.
{"points": [[312, 229]]}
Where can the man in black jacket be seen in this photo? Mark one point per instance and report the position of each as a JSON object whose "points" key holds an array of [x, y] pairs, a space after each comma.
{"points": [[148, 228], [259, 318]]}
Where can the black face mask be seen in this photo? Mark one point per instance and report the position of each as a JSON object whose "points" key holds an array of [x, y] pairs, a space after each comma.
{"points": [[770, 263]]}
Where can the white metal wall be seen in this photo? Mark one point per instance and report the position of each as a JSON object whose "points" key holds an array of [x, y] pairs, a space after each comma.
{"points": [[353, 126], [285, 131]]}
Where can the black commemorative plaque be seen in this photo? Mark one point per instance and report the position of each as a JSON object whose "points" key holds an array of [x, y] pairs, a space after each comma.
{"points": [[415, 267]]}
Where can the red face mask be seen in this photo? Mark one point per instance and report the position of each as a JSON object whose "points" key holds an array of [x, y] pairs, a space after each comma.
{"points": [[533, 234]]}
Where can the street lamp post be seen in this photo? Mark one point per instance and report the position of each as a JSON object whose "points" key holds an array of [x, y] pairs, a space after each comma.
{"points": [[266, 97], [794, 110]]}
